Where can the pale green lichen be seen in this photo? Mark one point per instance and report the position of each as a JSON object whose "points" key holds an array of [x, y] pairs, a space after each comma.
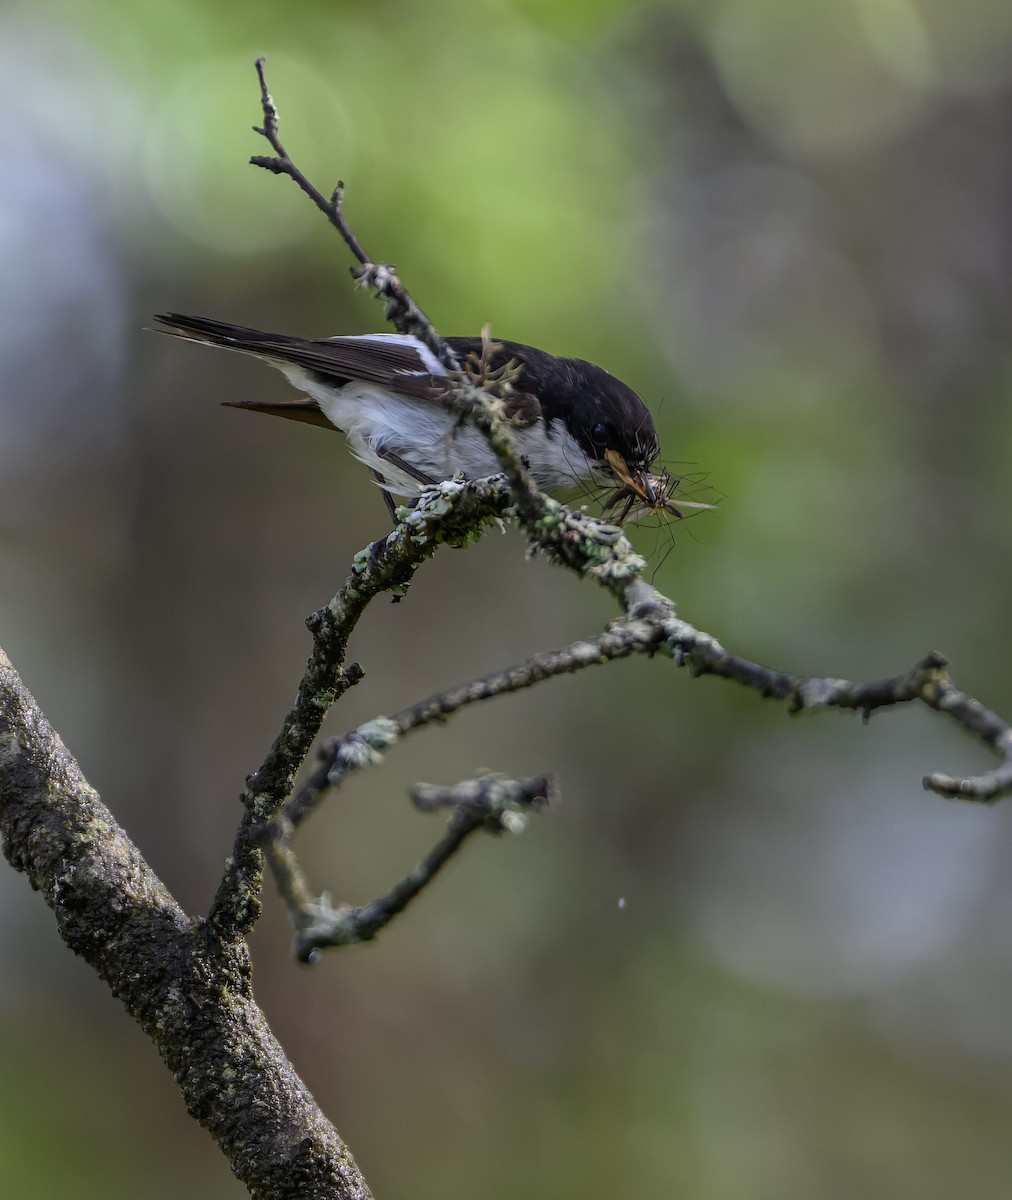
{"points": [[513, 822], [363, 747], [360, 563], [379, 733], [551, 517], [616, 569], [605, 550]]}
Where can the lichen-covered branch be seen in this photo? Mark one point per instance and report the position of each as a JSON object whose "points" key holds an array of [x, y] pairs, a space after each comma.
{"points": [[366, 745], [189, 991], [649, 626], [928, 682], [573, 539], [187, 982], [451, 513], [492, 804]]}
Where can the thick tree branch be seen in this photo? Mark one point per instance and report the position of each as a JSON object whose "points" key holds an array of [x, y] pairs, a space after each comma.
{"points": [[187, 982], [190, 992]]}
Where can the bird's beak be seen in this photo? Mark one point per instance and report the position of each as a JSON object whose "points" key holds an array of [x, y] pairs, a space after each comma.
{"points": [[638, 481]]}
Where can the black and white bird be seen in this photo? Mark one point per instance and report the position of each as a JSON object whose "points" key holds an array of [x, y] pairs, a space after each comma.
{"points": [[574, 424]]}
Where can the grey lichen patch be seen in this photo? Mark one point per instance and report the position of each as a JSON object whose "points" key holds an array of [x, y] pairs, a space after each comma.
{"points": [[379, 733], [616, 569], [587, 544], [322, 923], [819, 693], [363, 747], [434, 520], [586, 653], [644, 603], [513, 822], [682, 639]]}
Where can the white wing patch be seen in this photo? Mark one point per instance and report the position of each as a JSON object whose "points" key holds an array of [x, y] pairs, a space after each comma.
{"points": [[429, 364]]}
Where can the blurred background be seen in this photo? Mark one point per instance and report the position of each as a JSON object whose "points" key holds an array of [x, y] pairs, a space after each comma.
{"points": [[746, 956]]}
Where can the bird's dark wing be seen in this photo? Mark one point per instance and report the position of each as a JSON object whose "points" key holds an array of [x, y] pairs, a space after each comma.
{"points": [[395, 364]]}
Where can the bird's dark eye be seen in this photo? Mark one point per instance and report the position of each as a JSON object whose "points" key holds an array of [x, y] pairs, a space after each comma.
{"points": [[599, 434]]}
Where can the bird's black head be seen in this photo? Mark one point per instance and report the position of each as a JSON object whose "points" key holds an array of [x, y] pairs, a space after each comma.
{"points": [[607, 418]]}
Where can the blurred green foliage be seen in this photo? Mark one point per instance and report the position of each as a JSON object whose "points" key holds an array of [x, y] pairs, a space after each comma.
{"points": [[787, 226]]}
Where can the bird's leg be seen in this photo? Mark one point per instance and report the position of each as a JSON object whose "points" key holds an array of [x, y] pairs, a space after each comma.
{"points": [[395, 460], [388, 500]]}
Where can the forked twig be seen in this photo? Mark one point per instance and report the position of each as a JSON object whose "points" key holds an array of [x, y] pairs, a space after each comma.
{"points": [[402, 311]]}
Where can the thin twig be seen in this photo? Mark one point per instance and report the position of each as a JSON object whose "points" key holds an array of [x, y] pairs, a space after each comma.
{"points": [[492, 804], [366, 745], [658, 630], [453, 513], [652, 627], [402, 311]]}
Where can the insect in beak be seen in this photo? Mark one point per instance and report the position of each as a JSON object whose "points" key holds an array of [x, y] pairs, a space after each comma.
{"points": [[638, 483], [644, 494]]}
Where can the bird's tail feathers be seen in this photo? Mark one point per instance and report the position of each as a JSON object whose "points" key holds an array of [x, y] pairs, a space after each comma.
{"points": [[222, 333]]}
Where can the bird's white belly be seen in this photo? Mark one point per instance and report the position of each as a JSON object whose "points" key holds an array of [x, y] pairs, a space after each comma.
{"points": [[431, 440]]}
